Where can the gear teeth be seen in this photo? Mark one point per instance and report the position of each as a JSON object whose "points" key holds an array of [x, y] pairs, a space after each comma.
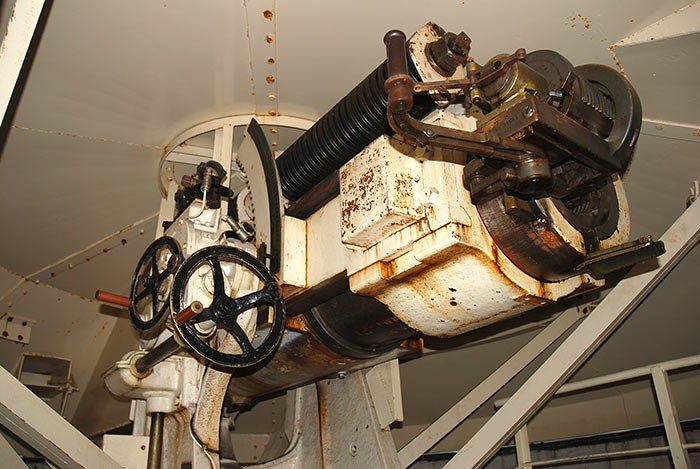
{"points": [[601, 104], [247, 183]]}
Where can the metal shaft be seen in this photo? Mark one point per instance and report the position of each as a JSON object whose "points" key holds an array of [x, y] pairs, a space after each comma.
{"points": [[157, 355], [155, 443]]}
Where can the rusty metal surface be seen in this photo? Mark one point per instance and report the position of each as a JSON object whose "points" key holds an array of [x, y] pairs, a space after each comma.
{"points": [[378, 193], [300, 359], [532, 244], [357, 326]]}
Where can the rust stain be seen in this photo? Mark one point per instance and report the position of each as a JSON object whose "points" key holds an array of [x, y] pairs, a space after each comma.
{"points": [[270, 78], [267, 14], [297, 323], [617, 61], [85, 137], [696, 132], [269, 39], [270, 60], [414, 344], [272, 112]]}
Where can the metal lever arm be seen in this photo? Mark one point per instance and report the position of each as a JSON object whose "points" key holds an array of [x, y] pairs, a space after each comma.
{"points": [[399, 87]]}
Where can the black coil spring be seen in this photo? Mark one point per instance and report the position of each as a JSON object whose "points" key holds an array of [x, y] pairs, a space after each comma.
{"points": [[351, 125]]}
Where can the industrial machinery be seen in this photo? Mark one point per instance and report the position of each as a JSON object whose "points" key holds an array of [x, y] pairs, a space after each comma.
{"points": [[439, 196]]}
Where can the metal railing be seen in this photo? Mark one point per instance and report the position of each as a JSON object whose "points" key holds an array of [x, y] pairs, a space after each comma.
{"points": [[662, 391]]}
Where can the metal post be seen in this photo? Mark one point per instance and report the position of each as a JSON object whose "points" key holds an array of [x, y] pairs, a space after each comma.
{"points": [[155, 442], [522, 446], [14, 46], [159, 353], [683, 235], [487, 388], [669, 415]]}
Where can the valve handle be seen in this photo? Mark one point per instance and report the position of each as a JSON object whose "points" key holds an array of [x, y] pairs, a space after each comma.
{"points": [[150, 284], [224, 310]]}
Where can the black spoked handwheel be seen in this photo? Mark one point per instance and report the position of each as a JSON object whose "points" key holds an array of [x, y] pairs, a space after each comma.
{"points": [[150, 287], [224, 310]]}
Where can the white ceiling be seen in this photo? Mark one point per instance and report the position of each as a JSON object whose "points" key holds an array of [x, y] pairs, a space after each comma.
{"points": [[108, 84]]}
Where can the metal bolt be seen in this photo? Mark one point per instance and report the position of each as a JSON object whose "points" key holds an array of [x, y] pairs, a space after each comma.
{"points": [[341, 374], [353, 450], [429, 133], [559, 94], [459, 44], [528, 112]]}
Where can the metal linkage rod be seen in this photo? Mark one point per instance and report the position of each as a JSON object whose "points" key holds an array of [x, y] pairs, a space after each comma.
{"points": [[156, 355], [683, 236], [155, 442]]}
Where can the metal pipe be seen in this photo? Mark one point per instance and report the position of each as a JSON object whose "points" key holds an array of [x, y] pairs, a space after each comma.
{"points": [[630, 453], [107, 297], [188, 313], [613, 378], [156, 355], [155, 442]]}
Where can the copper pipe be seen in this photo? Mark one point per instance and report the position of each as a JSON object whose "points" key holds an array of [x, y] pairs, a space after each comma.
{"points": [[188, 313], [112, 298]]}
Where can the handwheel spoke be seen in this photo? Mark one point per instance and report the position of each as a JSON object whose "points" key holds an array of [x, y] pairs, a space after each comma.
{"points": [[163, 275], [218, 276], [142, 295], [265, 296], [231, 325], [205, 315], [154, 298]]}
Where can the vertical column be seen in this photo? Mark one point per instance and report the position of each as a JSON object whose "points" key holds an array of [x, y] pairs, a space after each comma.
{"points": [[522, 446], [669, 415]]}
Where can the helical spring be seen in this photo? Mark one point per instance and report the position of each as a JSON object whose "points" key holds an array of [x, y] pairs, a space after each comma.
{"points": [[351, 125]]}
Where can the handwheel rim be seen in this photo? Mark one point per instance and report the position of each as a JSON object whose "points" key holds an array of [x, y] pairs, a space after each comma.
{"points": [[194, 340], [154, 287]]}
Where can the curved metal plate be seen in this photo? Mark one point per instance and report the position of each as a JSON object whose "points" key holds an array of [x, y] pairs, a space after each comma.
{"points": [[257, 161]]}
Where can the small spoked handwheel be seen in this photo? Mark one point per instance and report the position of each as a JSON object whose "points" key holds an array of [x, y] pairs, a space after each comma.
{"points": [[224, 310], [150, 287]]}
